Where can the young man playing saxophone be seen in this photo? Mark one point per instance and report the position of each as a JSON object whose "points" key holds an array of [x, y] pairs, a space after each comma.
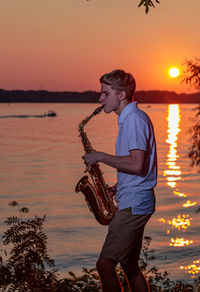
{"points": [[136, 165]]}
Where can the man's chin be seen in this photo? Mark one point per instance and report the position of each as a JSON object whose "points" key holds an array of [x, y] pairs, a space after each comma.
{"points": [[107, 111]]}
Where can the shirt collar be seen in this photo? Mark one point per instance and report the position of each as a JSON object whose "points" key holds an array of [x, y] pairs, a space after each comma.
{"points": [[129, 108]]}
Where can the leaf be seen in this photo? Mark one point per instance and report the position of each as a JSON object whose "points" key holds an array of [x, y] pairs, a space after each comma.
{"points": [[147, 9], [198, 210], [24, 210], [141, 3], [13, 203], [12, 220], [151, 4]]}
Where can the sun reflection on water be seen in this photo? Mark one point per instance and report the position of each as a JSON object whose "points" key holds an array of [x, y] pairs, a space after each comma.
{"points": [[180, 222], [179, 194], [180, 242], [177, 225], [189, 204], [193, 269], [173, 173]]}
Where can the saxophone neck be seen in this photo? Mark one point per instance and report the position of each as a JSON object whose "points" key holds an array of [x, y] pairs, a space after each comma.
{"points": [[86, 120], [98, 110], [86, 143]]}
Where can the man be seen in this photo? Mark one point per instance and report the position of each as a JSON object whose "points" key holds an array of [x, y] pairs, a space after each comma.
{"points": [[136, 165]]}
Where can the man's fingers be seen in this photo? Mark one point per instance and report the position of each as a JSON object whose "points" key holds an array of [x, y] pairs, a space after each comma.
{"points": [[89, 160], [88, 165], [86, 170]]}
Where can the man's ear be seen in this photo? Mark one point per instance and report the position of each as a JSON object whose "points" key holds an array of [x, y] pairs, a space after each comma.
{"points": [[122, 95]]}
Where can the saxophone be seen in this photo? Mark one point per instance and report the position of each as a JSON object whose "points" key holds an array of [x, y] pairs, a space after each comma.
{"points": [[96, 194]]}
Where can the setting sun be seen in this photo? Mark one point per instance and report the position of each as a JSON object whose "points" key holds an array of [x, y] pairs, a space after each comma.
{"points": [[174, 72]]}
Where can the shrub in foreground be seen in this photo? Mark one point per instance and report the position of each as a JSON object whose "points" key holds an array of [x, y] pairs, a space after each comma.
{"points": [[27, 267]]}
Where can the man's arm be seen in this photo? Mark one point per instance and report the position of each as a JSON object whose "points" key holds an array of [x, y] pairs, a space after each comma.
{"points": [[132, 164]]}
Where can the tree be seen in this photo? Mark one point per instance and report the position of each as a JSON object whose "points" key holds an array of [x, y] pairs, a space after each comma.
{"points": [[147, 4], [192, 73], [26, 269], [192, 77]]}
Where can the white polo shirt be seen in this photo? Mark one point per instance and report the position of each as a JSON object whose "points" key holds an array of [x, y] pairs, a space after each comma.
{"points": [[136, 132]]}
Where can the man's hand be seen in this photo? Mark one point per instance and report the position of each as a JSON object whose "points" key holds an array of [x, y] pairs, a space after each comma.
{"points": [[112, 190], [92, 158]]}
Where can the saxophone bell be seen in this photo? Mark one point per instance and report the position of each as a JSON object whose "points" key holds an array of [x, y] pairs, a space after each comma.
{"points": [[93, 201]]}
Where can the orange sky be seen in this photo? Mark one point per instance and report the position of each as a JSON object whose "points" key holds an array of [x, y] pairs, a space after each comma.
{"points": [[68, 44]]}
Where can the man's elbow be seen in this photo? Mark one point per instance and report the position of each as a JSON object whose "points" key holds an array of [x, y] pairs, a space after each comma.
{"points": [[137, 161], [138, 170], [134, 171]]}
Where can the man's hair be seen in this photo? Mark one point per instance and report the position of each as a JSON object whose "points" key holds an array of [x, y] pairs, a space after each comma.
{"points": [[120, 80]]}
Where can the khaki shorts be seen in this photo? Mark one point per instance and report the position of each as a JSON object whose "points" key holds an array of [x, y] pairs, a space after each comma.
{"points": [[124, 239]]}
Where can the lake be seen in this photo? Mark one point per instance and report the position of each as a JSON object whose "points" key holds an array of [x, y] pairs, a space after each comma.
{"points": [[41, 165]]}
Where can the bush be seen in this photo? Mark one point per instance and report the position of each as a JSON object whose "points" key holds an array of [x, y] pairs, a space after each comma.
{"points": [[26, 269], [29, 268]]}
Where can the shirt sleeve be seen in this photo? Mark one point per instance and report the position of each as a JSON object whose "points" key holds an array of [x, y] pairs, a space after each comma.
{"points": [[137, 132]]}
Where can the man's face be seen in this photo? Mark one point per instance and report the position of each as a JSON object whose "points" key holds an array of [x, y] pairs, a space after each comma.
{"points": [[109, 98]]}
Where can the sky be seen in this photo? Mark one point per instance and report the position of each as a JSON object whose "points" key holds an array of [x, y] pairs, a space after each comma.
{"points": [[66, 45]]}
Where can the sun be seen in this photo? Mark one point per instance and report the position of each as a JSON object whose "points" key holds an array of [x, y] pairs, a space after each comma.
{"points": [[174, 72]]}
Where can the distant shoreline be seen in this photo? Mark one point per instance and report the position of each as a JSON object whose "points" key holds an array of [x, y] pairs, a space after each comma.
{"points": [[44, 96]]}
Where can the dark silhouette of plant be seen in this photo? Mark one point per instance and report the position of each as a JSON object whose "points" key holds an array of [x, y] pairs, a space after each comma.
{"points": [[147, 4], [194, 152], [26, 267], [158, 282], [88, 281], [192, 76], [147, 257]]}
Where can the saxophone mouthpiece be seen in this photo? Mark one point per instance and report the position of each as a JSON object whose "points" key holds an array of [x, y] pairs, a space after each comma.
{"points": [[98, 110]]}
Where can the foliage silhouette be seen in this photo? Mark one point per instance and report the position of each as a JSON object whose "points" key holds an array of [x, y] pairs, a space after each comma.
{"points": [[192, 73], [192, 77], [194, 151], [158, 282], [29, 268], [147, 4]]}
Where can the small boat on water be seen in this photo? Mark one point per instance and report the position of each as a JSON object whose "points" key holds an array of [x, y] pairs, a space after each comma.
{"points": [[48, 114], [51, 114]]}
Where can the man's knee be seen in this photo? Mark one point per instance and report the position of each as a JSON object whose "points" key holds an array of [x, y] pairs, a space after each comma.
{"points": [[105, 266], [100, 264], [131, 268]]}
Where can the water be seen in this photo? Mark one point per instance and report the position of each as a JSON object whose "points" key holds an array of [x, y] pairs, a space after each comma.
{"points": [[41, 165]]}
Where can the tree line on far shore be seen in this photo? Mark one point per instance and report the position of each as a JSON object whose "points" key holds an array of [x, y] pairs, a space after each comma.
{"points": [[42, 96]]}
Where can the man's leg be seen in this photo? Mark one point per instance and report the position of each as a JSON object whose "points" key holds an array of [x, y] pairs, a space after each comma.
{"points": [[135, 277], [108, 276]]}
